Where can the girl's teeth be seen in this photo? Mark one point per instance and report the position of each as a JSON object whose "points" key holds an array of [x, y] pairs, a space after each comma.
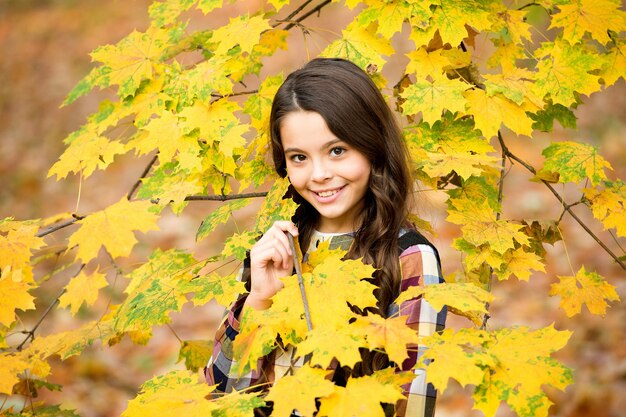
{"points": [[327, 193]]}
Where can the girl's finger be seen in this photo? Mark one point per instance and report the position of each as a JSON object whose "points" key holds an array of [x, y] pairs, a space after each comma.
{"points": [[286, 226]]}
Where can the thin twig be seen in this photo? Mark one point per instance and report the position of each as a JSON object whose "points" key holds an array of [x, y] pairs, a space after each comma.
{"points": [[316, 9], [295, 12], [569, 210], [296, 263], [31, 333], [143, 174], [59, 226]]}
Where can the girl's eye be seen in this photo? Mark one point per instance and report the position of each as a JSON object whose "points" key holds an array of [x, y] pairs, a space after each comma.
{"points": [[337, 151], [297, 158]]}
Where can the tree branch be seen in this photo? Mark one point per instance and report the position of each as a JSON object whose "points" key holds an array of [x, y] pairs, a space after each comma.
{"points": [[486, 316], [567, 207], [223, 197], [143, 174]]}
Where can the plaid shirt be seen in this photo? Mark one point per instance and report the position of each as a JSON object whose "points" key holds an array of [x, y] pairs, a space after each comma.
{"points": [[419, 264]]}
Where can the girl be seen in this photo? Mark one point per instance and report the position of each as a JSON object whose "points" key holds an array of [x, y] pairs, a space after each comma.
{"points": [[336, 139]]}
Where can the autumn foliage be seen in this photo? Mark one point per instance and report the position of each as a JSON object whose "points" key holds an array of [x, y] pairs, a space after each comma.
{"points": [[183, 97]]}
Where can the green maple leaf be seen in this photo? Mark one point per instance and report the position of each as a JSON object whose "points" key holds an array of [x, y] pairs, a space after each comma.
{"points": [[564, 70], [195, 353], [431, 98], [220, 215], [258, 105], [574, 162], [237, 405], [389, 16], [178, 392], [167, 184], [213, 286], [164, 13], [156, 289], [451, 16], [544, 118], [451, 145]]}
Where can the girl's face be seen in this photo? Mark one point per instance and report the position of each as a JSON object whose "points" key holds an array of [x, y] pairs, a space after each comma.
{"points": [[327, 172]]}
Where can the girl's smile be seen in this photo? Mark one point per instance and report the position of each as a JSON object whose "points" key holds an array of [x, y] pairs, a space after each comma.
{"points": [[327, 172]]}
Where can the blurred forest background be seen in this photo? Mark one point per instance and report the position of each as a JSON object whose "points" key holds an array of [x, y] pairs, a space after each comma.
{"points": [[45, 46]]}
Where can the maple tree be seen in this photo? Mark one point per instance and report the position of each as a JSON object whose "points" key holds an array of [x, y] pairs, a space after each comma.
{"points": [[207, 133]]}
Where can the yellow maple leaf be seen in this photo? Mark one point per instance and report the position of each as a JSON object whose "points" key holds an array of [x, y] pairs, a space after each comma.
{"points": [[456, 355], [423, 63], [462, 299], [522, 365], [520, 263], [14, 296], [479, 225], [113, 228], [516, 85], [243, 30], [256, 338], [360, 397], [585, 288], [324, 346], [72, 342], [86, 153], [596, 17], [391, 334], [133, 58], [514, 21], [432, 97], [609, 205], [164, 133], [178, 392], [16, 249], [614, 65], [360, 45], [299, 391], [11, 365], [82, 289], [490, 112]]}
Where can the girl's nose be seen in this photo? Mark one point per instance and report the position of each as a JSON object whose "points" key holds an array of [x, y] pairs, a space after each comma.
{"points": [[321, 171]]}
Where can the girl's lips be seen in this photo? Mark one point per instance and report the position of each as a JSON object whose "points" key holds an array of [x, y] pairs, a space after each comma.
{"points": [[327, 196]]}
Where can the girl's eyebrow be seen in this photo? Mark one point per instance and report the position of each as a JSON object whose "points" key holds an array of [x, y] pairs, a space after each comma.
{"points": [[327, 145]]}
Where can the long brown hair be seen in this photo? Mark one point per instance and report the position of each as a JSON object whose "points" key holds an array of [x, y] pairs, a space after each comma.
{"points": [[356, 112]]}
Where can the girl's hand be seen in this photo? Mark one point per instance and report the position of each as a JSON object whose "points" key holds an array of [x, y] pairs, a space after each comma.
{"points": [[270, 259]]}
